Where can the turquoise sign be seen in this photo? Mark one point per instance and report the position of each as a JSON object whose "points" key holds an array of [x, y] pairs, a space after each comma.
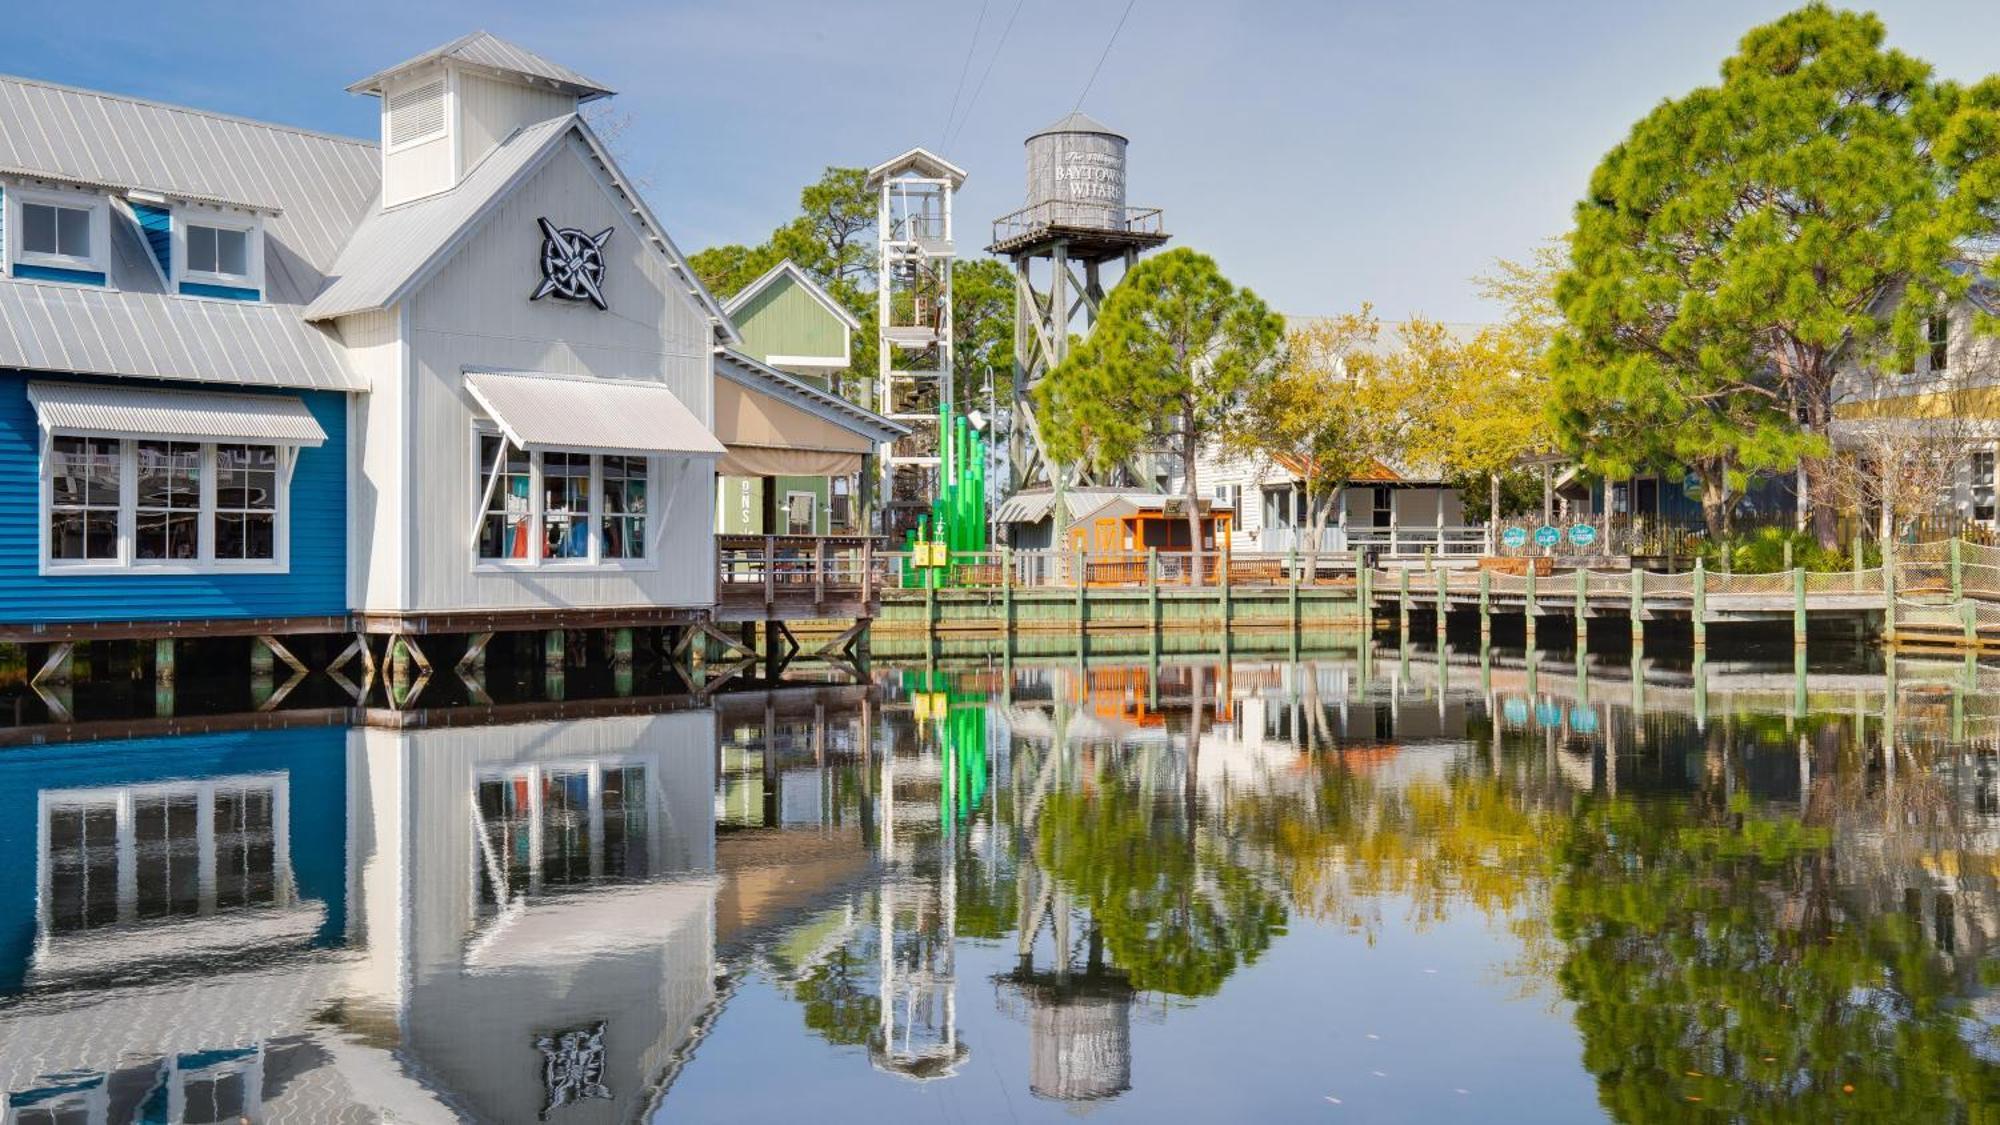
{"points": [[1546, 536], [1514, 538], [1583, 535]]}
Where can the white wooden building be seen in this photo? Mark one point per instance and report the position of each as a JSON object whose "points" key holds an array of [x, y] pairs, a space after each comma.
{"points": [[539, 354]]}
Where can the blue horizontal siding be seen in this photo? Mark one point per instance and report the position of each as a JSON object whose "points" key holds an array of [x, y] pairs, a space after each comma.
{"points": [[225, 292], [313, 758], [315, 586], [51, 273], [157, 224]]}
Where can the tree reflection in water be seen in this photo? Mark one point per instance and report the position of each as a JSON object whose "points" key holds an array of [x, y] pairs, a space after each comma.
{"points": [[1752, 904]]}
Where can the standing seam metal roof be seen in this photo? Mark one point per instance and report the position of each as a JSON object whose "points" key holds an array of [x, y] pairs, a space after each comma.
{"points": [[485, 49], [314, 189]]}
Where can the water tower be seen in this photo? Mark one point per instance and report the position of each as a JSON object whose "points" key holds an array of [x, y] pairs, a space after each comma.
{"points": [[1076, 219]]}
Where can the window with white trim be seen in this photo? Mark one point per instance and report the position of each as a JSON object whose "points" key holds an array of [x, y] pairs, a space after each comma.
{"points": [[60, 230], [169, 501], [84, 486], [140, 504], [246, 503], [560, 507], [218, 251], [624, 519]]}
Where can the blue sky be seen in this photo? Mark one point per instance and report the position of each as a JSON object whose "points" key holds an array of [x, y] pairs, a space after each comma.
{"points": [[1325, 153]]}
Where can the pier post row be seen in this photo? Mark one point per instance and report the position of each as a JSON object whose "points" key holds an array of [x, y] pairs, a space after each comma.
{"points": [[341, 395]]}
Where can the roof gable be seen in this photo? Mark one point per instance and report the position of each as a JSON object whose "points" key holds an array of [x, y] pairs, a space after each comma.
{"points": [[398, 249], [919, 161], [799, 277]]}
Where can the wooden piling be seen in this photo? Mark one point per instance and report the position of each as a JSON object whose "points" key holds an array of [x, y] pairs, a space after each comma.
{"points": [[1799, 607], [1485, 604], [1638, 609], [1700, 606]]}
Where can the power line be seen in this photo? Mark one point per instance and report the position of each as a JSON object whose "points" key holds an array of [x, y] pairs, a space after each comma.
{"points": [[964, 69], [1092, 81], [991, 59]]}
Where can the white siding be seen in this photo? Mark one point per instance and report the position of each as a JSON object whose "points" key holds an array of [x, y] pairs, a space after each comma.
{"points": [[376, 501], [473, 995], [475, 313], [489, 109], [417, 170]]}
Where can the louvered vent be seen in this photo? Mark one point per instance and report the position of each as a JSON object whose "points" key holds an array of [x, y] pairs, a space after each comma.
{"points": [[416, 114]]}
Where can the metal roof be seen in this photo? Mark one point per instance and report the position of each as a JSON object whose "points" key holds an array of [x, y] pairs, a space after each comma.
{"points": [[1033, 506], [788, 268], [920, 160], [394, 250], [539, 411], [87, 330], [487, 50], [107, 409], [314, 187], [1078, 122], [746, 371]]}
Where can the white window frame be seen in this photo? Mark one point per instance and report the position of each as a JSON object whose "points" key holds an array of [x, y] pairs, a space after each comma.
{"points": [[98, 261], [128, 561], [812, 511], [250, 225], [594, 562]]}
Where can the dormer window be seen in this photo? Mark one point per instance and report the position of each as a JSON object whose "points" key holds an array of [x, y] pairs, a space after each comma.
{"points": [[220, 255], [50, 230], [56, 235]]}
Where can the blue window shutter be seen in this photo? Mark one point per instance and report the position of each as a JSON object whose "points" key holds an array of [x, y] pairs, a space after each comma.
{"points": [[157, 224]]}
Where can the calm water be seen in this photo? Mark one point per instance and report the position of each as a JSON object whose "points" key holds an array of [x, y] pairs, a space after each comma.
{"points": [[1401, 889]]}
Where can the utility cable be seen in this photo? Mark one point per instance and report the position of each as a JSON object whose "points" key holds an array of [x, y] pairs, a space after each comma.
{"points": [[1092, 81]]}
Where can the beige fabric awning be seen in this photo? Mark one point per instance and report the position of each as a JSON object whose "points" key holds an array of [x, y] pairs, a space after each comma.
{"points": [[765, 437]]}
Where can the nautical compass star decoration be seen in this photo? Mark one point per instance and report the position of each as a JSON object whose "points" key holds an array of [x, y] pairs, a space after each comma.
{"points": [[572, 264]]}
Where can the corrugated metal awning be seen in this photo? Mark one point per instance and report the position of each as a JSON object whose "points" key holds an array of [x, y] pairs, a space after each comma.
{"points": [[540, 412], [110, 410]]}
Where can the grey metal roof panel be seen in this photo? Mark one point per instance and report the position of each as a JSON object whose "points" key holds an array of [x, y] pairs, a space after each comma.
{"points": [[312, 187], [88, 330], [481, 48], [396, 248]]}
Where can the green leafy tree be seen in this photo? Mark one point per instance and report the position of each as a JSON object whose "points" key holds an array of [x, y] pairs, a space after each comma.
{"points": [[833, 240], [1745, 236], [1174, 348]]}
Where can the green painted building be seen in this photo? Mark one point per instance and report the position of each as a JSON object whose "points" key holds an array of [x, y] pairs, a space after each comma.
{"points": [[791, 323]]}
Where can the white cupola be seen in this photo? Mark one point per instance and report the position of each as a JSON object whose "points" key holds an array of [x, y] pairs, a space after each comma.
{"points": [[444, 110]]}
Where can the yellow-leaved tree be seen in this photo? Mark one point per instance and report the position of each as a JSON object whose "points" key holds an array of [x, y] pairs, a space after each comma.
{"points": [[1327, 415]]}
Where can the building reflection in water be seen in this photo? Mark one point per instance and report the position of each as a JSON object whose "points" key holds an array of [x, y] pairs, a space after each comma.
{"points": [[545, 918], [494, 922]]}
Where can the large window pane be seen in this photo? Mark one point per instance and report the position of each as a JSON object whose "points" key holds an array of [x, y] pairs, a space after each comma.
{"points": [[83, 499], [169, 501], [508, 528], [245, 848], [246, 502], [565, 505], [624, 507]]}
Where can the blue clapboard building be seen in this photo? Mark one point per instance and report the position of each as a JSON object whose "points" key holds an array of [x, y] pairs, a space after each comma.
{"points": [[173, 434]]}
